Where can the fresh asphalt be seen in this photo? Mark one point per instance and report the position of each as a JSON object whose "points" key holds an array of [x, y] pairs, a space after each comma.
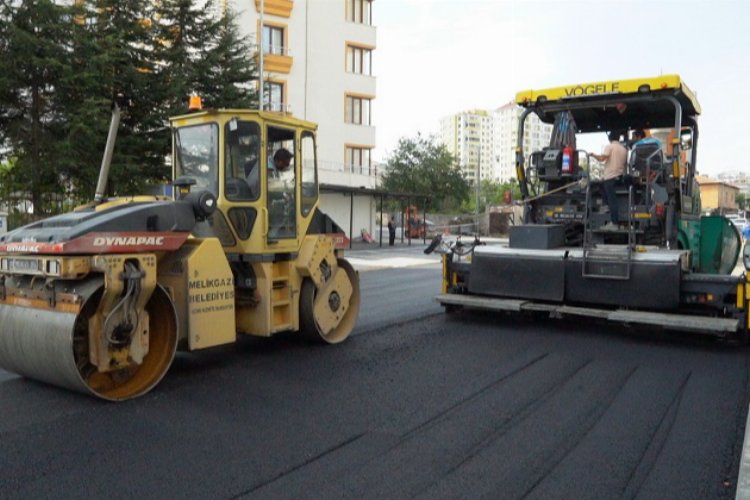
{"points": [[416, 404]]}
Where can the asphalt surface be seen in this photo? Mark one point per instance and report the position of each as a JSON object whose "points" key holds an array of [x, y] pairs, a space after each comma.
{"points": [[415, 404]]}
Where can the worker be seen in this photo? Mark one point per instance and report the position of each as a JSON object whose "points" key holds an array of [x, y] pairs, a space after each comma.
{"points": [[637, 136], [392, 231], [282, 158], [615, 157], [252, 175], [280, 175], [746, 233]]}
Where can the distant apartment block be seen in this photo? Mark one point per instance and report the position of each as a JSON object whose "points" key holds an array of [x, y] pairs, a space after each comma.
{"points": [[317, 65], [536, 135], [488, 139], [468, 136]]}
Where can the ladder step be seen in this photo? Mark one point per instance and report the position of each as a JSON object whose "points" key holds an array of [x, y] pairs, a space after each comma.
{"points": [[606, 270], [616, 231]]}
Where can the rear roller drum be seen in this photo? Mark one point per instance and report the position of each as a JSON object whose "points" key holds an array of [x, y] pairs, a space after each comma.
{"points": [[315, 322]]}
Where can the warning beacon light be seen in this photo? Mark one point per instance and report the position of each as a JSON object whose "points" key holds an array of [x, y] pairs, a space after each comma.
{"points": [[195, 104]]}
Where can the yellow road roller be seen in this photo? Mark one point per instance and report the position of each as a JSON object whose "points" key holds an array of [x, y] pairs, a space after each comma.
{"points": [[98, 300]]}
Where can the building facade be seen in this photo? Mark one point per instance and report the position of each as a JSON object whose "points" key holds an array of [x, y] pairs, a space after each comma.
{"points": [[468, 136], [488, 139], [717, 195], [317, 66], [536, 135]]}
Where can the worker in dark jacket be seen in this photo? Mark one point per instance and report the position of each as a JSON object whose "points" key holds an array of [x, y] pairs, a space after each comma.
{"points": [[391, 231]]}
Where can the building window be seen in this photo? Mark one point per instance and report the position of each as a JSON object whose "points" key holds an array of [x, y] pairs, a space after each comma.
{"points": [[273, 96], [357, 110], [358, 60], [358, 159], [273, 40], [359, 11]]}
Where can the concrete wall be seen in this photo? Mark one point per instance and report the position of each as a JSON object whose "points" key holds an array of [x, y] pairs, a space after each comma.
{"points": [[338, 207]]}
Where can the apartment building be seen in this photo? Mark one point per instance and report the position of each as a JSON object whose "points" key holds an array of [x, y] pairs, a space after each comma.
{"points": [[488, 139], [468, 136], [536, 135], [317, 66]]}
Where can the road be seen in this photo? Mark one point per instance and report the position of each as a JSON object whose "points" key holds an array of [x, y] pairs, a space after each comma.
{"points": [[416, 404]]}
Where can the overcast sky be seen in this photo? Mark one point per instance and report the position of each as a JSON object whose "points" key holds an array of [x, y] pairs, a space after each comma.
{"points": [[438, 57]]}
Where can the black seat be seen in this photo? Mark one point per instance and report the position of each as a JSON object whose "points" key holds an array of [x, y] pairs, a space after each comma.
{"points": [[237, 189], [646, 157]]}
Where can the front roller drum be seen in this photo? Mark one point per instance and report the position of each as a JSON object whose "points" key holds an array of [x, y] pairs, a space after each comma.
{"points": [[325, 316], [52, 346]]}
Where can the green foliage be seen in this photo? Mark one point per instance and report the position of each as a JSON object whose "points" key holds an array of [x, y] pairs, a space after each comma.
{"points": [[741, 200], [420, 165], [492, 193], [32, 55], [61, 65], [202, 54]]}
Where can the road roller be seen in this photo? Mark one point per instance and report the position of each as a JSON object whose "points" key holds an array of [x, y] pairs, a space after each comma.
{"points": [[99, 300]]}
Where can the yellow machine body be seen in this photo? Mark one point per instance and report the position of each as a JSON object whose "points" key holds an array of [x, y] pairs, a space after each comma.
{"points": [[98, 300]]}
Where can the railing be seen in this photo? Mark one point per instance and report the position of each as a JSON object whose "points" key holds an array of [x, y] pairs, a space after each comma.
{"points": [[331, 166], [274, 50], [19, 208], [278, 107]]}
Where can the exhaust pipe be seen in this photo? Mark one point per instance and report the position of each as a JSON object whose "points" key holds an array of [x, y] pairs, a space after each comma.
{"points": [[101, 185]]}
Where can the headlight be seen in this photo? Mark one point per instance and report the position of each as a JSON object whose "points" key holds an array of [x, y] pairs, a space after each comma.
{"points": [[746, 256]]}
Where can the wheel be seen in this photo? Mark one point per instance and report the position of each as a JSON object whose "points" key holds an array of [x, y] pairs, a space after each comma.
{"points": [[134, 380], [312, 323]]}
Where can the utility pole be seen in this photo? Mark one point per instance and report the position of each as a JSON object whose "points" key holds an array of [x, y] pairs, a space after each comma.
{"points": [[476, 183], [261, 98]]}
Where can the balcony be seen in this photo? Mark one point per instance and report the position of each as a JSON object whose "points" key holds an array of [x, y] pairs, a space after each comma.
{"points": [[277, 107], [340, 174], [276, 58], [281, 8]]}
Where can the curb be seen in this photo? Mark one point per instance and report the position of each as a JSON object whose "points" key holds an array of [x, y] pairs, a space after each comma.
{"points": [[743, 479]]}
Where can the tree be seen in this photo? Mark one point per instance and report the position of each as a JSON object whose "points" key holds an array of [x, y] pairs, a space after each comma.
{"points": [[32, 55], [127, 64], [493, 193], [422, 166], [62, 65], [199, 53], [741, 200], [227, 67]]}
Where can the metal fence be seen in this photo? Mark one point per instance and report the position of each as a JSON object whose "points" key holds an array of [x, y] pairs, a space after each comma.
{"points": [[20, 210]]}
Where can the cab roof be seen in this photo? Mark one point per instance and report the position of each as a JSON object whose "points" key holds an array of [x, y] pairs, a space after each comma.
{"points": [[268, 116], [615, 104]]}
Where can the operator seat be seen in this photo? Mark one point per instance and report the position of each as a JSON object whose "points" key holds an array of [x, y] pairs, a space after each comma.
{"points": [[647, 157], [237, 189]]}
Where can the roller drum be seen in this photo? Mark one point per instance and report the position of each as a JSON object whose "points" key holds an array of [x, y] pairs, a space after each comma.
{"points": [[38, 344], [52, 346]]}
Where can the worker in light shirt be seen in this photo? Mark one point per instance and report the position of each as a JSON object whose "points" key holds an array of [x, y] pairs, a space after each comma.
{"points": [[615, 158]]}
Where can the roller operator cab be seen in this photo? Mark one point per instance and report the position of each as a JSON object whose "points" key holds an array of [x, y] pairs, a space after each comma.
{"points": [[98, 300], [568, 258]]}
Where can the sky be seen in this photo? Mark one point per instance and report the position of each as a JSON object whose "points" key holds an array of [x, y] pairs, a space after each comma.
{"points": [[435, 58]]}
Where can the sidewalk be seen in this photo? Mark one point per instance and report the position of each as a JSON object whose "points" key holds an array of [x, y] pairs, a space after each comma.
{"points": [[358, 244], [371, 256]]}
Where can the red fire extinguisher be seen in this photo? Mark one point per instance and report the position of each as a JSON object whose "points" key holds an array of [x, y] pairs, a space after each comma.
{"points": [[567, 160]]}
